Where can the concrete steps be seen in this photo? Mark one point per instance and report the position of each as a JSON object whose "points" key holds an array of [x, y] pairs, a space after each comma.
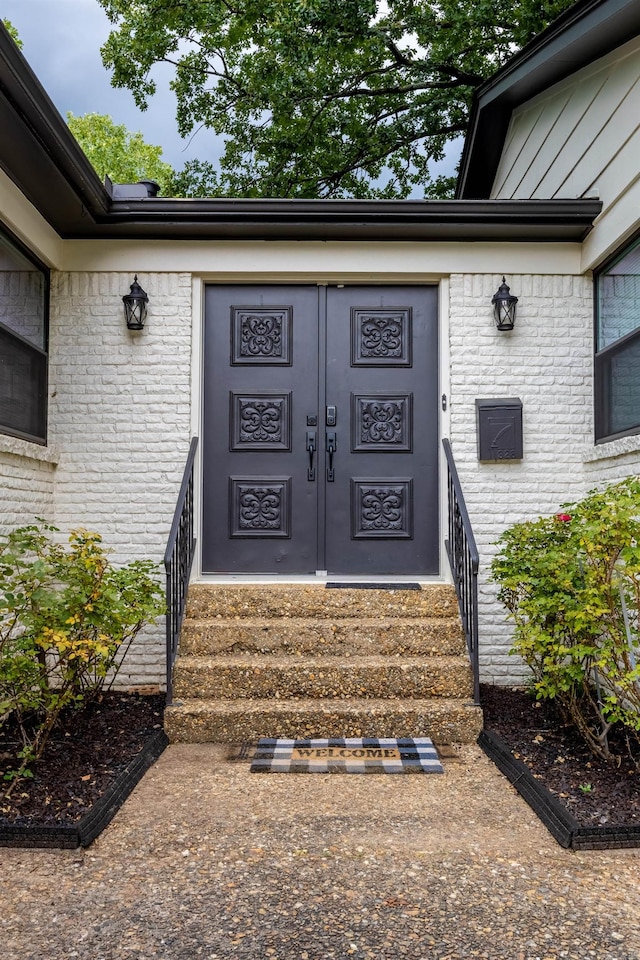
{"points": [[306, 661], [228, 678], [232, 721], [428, 636], [309, 601]]}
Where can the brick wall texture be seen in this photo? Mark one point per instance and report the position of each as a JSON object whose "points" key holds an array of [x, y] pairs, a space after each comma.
{"points": [[26, 486], [120, 419], [547, 362]]}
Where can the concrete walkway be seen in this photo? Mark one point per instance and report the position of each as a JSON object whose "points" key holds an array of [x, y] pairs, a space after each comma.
{"points": [[206, 860]]}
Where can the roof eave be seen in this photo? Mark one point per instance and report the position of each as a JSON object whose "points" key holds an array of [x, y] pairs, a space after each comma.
{"points": [[288, 219], [37, 149], [584, 33], [40, 154]]}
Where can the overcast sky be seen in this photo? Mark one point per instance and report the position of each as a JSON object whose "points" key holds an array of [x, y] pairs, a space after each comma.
{"points": [[62, 39]]}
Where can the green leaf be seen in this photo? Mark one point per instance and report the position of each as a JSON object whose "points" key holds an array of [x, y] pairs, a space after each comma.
{"points": [[318, 98], [572, 590], [117, 153]]}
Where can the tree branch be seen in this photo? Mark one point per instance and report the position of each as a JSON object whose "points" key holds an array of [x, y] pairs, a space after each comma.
{"points": [[468, 79], [398, 55], [388, 91], [332, 181]]}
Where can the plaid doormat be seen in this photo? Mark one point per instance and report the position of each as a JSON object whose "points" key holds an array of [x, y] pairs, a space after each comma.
{"points": [[347, 755]]}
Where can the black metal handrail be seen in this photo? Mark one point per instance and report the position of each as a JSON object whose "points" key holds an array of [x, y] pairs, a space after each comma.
{"points": [[464, 561], [178, 559]]}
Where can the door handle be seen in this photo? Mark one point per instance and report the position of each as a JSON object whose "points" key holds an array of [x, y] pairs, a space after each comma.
{"points": [[332, 443], [312, 446]]}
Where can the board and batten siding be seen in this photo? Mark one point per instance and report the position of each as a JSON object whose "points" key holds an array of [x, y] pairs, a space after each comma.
{"points": [[580, 136]]}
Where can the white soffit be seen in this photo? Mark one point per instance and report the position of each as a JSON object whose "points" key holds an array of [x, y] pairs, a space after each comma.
{"points": [[314, 259]]}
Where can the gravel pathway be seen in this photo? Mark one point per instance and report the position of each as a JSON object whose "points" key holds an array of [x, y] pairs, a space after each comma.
{"points": [[206, 860]]}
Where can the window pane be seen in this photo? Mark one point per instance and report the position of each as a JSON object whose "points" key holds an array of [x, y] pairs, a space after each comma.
{"points": [[619, 299], [22, 295], [624, 386], [23, 384]]}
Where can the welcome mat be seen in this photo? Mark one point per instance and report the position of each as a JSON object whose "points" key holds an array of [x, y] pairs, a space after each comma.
{"points": [[347, 755]]}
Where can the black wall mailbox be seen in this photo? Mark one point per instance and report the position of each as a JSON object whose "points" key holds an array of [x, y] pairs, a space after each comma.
{"points": [[499, 429]]}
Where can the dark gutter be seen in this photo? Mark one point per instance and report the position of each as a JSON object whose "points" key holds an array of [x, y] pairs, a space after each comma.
{"points": [[453, 220], [340, 211], [586, 32]]}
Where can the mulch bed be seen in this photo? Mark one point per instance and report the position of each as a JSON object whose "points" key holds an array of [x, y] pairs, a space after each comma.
{"points": [[84, 758], [596, 792], [95, 747]]}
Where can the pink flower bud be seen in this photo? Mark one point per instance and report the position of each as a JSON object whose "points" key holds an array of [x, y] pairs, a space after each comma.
{"points": [[563, 517]]}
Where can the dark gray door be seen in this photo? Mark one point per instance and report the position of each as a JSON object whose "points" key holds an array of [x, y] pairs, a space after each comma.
{"points": [[260, 389], [320, 433], [382, 377]]}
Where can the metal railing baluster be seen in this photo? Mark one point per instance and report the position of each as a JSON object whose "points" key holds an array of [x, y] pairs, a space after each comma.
{"points": [[178, 559], [464, 561]]}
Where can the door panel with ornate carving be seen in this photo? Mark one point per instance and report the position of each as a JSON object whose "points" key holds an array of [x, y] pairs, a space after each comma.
{"points": [[320, 430], [382, 377], [260, 386]]}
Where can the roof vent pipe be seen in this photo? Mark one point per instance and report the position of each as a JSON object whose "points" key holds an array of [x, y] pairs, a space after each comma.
{"points": [[153, 188], [142, 190]]}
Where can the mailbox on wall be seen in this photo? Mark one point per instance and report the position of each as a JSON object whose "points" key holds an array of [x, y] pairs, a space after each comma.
{"points": [[499, 424]]}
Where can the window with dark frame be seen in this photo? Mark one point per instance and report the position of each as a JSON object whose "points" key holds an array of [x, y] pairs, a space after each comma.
{"points": [[617, 347], [24, 302]]}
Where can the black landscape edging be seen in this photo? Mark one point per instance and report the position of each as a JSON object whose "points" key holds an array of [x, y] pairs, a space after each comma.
{"points": [[553, 814], [85, 831]]}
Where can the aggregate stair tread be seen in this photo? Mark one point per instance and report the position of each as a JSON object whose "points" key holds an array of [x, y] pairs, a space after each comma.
{"points": [[238, 721], [316, 601], [301, 660], [282, 677], [413, 636]]}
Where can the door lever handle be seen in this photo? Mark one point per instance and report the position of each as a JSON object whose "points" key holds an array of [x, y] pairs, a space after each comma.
{"points": [[332, 443], [312, 446]]}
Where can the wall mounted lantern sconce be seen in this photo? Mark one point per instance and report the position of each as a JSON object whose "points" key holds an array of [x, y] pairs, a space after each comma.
{"points": [[135, 306], [504, 307]]}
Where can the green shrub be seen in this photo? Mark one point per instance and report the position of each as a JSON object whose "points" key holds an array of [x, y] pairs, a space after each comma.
{"points": [[67, 619], [571, 584]]}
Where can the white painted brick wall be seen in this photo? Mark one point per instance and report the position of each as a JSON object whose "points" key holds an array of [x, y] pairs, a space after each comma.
{"points": [[120, 418], [26, 484], [546, 362], [612, 461]]}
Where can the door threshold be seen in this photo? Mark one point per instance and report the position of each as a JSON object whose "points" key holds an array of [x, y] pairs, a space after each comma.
{"points": [[312, 578]]}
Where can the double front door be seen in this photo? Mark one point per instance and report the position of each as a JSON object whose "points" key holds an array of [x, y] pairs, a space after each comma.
{"points": [[320, 438]]}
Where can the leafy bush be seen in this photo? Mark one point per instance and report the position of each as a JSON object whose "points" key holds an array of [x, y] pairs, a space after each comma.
{"points": [[571, 584], [67, 619]]}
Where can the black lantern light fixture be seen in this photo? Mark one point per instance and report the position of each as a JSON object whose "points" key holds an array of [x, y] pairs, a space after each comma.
{"points": [[504, 307], [135, 306]]}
